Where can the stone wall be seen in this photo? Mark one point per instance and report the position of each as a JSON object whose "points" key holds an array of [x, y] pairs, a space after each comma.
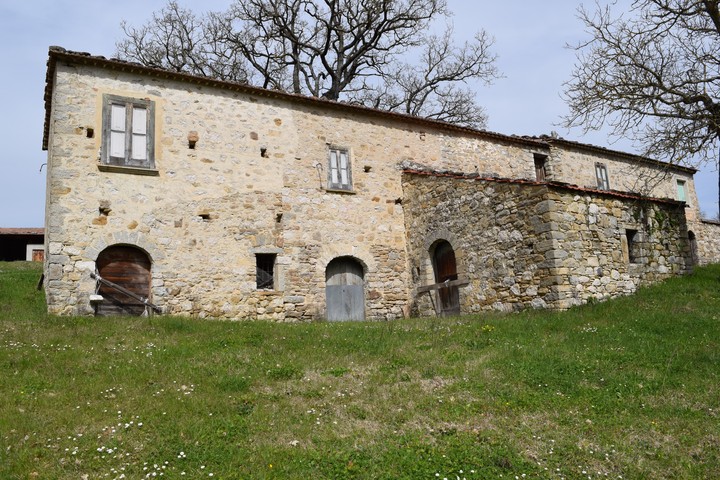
{"points": [[492, 228], [524, 245], [607, 245], [707, 241], [255, 182], [576, 165]]}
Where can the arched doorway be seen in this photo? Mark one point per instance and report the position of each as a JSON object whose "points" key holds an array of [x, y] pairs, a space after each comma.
{"points": [[445, 268], [345, 290], [129, 268]]}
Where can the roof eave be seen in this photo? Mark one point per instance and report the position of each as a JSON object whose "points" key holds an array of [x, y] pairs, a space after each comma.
{"points": [[552, 184], [618, 153], [56, 54]]}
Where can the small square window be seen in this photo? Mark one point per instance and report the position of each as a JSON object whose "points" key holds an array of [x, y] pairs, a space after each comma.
{"points": [[265, 271], [540, 164], [681, 191], [339, 171], [601, 175], [128, 132]]}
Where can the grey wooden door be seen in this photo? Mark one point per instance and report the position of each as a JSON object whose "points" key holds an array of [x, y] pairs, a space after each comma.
{"points": [[345, 290]]}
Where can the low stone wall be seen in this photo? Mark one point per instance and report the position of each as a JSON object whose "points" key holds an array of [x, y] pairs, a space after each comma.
{"points": [[606, 246], [533, 245], [707, 238]]}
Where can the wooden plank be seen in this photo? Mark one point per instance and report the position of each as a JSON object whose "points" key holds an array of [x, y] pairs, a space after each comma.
{"points": [[345, 302], [118, 290], [461, 282]]}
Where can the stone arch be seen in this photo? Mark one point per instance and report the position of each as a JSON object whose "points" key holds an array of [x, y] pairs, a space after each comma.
{"points": [[345, 289], [134, 239], [360, 255], [426, 275]]}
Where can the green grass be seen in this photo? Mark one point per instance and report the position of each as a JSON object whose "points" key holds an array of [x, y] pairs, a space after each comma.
{"points": [[624, 389]]}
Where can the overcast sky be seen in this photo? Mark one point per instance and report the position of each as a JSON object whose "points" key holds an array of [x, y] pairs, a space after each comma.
{"points": [[530, 39]]}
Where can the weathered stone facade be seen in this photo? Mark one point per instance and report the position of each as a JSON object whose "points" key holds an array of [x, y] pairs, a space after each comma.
{"points": [[523, 245], [706, 235], [240, 172]]}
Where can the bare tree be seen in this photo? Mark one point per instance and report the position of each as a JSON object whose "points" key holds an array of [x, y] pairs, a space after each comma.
{"points": [[347, 50], [652, 74], [177, 39], [432, 88]]}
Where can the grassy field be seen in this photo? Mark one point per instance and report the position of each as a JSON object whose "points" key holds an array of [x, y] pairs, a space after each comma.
{"points": [[624, 389]]}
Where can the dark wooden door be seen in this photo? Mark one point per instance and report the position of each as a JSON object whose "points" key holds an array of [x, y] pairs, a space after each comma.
{"points": [[445, 270], [345, 290], [129, 268]]}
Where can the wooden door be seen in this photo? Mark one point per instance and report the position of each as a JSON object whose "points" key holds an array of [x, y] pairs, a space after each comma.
{"points": [[128, 267], [345, 290], [445, 269]]}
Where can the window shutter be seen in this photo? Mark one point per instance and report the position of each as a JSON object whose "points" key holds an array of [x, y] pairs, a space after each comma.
{"points": [[117, 131], [139, 134], [334, 173], [681, 190], [339, 173], [602, 177], [344, 174]]}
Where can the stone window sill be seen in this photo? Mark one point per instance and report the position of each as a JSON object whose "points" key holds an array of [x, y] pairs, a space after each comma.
{"points": [[151, 172], [337, 190]]}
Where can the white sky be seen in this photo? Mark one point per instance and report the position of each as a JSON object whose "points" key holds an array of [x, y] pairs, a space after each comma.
{"points": [[530, 39]]}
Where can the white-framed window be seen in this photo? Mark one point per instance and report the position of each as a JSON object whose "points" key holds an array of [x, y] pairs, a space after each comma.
{"points": [[339, 171], [601, 174], [128, 132], [681, 191]]}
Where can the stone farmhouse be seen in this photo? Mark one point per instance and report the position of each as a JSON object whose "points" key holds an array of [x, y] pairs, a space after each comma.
{"points": [[194, 196]]}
